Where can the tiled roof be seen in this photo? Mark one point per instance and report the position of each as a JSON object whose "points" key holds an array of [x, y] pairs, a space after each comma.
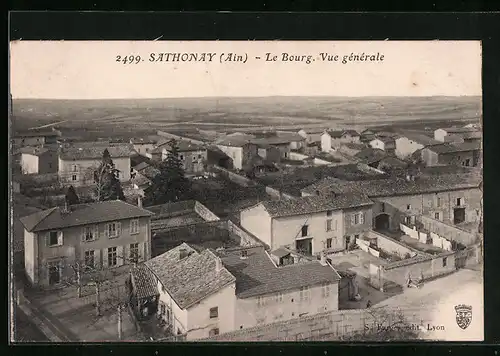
{"points": [[232, 142], [354, 146], [192, 278], [385, 139], [460, 129], [142, 165], [371, 155], [258, 275], [314, 204], [82, 214], [351, 132], [145, 283], [274, 140], [145, 140], [393, 162], [182, 146], [392, 186], [422, 139], [335, 133], [456, 147], [280, 252], [95, 151]]}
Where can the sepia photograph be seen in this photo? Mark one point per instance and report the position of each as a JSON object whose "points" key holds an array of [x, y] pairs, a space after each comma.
{"points": [[242, 191]]}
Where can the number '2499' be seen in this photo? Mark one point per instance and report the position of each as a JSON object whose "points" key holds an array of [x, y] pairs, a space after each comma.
{"points": [[131, 59]]}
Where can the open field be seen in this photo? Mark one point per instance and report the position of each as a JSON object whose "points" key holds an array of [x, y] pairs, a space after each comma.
{"points": [[127, 118]]}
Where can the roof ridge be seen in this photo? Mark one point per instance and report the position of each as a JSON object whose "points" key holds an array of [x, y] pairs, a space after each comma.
{"points": [[50, 211]]}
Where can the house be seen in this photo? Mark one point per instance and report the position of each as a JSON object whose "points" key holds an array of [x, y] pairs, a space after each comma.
{"points": [[390, 163], [99, 235], [407, 144], [35, 138], [39, 160], [240, 151], [280, 143], [78, 162], [467, 154], [144, 145], [468, 134], [192, 156], [387, 144], [196, 292], [269, 153], [451, 198], [206, 293], [366, 135], [311, 224], [334, 138], [276, 286], [311, 135], [296, 141]]}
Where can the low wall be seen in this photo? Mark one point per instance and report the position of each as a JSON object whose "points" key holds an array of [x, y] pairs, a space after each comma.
{"points": [[419, 267], [222, 232], [392, 246], [234, 177], [450, 232], [275, 193], [246, 239], [334, 325], [204, 212]]}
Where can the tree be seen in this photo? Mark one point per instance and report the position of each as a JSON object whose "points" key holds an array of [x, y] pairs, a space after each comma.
{"points": [[170, 184], [71, 196], [108, 186]]}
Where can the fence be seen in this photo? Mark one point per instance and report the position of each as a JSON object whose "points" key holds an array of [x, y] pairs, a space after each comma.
{"points": [[451, 232], [335, 325]]}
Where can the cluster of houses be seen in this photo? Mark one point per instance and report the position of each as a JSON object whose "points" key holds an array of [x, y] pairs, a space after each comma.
{"points": [[199, 292]]}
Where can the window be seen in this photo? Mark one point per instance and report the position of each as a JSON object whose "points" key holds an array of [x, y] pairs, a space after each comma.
{"points": [[89, 259], [279, 298], [213, 332], [358, 218], [382, 207], [134, 252], [53, 238], [74, 168], [459, 201], [304, 294], [438, 201], [89, 233], [199, 156], [325, 290], [304, 230], [329, 225], [181, 157], [113, 229], [444, 262], [134, 226], [328, 243], [194, 158], [73, 177], [467, 162], [214, 312], [329, 213], [112, 257], [408, 207], [436, 216]]}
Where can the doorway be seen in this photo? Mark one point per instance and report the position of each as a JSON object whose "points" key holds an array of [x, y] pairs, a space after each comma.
{"points": [[382, 222], [54, 273], [458, 215]]}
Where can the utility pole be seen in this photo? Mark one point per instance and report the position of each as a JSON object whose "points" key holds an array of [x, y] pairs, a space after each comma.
{"points": [[119, 321]]}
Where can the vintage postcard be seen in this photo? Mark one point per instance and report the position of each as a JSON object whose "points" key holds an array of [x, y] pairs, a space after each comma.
{"points": [[246, 191]]}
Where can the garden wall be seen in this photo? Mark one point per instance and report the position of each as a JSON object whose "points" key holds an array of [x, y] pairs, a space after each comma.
{"points": [[449, 231]]}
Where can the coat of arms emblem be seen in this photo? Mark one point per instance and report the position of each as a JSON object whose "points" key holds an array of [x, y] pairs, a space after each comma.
{"points": [[464, 315]]}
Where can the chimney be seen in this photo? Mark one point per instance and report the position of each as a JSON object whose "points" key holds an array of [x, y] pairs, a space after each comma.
{"points": [[139, 201], [218, 265], [183, 253]]}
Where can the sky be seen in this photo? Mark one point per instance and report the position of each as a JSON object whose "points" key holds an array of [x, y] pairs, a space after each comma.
{"points": [[89, 70]]}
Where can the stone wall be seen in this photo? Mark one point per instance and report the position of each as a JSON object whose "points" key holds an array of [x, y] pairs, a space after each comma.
{"points": [[448, 231], [334, 325], [389, 245]]}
